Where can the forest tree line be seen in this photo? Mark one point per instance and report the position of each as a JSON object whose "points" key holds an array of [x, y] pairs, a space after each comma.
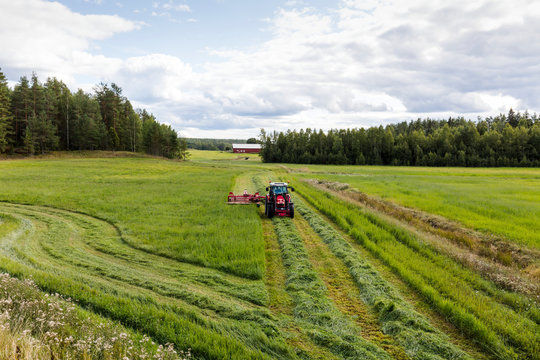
{"points": [[217, 144], [38, 117], [212, 144], [511, 139]]}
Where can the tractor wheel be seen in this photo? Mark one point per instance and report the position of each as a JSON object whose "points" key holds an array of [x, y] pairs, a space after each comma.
{"points": [[270, 211], [291, 211]]}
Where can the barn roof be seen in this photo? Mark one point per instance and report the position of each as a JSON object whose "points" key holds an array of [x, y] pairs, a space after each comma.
{"points": [[246, 146]]}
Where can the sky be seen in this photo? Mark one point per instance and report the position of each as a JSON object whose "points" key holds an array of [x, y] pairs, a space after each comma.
{"points": [[227, 68]]}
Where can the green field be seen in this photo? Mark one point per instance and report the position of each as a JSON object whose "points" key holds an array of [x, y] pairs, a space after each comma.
{"points": [[503, 202], [151, 245]]}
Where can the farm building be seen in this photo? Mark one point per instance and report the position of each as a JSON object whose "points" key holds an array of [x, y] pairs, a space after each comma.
{"points": [[246, 148]]}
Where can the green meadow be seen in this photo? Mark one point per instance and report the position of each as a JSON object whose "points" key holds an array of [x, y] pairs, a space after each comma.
{"points": [[169, 208], [504, 202], [150, 246]]}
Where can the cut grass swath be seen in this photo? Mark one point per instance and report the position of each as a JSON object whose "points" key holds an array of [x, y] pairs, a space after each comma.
{"points": [[455, 292], [313, 310], [411, 330]]}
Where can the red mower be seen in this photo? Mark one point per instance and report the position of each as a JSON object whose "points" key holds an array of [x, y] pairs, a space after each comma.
{"points": [[277, 202]]}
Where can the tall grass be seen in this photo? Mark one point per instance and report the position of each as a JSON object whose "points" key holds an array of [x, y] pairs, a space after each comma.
{"points": [[163, 207], [468, 301]]}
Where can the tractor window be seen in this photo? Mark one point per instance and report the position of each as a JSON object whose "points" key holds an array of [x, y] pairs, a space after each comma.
{"points": [[278, 190]]}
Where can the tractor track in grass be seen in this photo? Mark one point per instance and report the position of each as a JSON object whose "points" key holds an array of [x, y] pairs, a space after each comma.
{"points": [[86, 250]]}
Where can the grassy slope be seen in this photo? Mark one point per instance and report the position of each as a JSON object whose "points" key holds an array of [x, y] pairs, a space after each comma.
{"points": [[504, 202]]}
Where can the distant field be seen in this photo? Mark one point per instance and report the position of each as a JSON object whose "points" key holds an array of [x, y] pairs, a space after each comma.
{"points": [[504, 202], [221, 155]]}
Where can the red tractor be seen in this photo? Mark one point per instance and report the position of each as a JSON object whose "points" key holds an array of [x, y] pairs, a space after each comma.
{"points": [[277, 202]]}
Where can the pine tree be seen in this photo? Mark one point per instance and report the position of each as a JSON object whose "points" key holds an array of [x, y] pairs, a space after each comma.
{"points": [[5, 112], [21, 101], [40, 134], [183, 149]]}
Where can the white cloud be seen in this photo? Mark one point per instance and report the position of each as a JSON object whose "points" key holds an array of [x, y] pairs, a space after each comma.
{"points": [[53, 40], [367, 62], [172, 5]]}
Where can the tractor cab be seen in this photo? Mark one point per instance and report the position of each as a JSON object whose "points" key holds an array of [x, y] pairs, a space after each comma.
{"points": [[278, 189], [278, 201]]}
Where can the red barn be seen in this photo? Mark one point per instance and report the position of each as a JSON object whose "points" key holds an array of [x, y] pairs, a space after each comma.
{"points": [[246, 148]]}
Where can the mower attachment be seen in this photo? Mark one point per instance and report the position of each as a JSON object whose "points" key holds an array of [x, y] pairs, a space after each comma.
{"points": [[245, 198]]}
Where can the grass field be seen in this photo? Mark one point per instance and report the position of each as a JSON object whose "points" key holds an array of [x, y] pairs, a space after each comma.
{"points": [[504, 202], [168, 208], [150, 246], [202, 155]]}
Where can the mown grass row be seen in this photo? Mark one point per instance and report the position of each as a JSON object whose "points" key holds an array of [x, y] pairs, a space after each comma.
{"points": [[313, 309], [84, 258], [412, 331], [467, 300], [327, 325]]}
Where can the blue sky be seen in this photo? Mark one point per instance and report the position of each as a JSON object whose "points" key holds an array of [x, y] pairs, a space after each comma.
{"points": [[224, 68], [184, 33]]}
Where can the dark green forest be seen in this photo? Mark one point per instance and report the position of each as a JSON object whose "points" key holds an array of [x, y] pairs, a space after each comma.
{"points": [[511, 139], [39, 117]]}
